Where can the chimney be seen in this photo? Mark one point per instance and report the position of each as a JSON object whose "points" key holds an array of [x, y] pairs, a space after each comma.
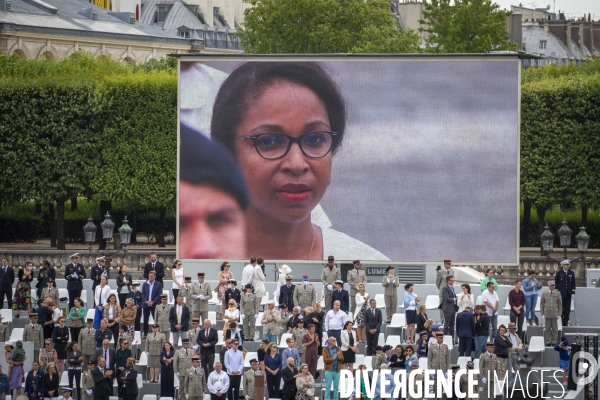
{"points": [[559, 29], [569, 38], [576, 32], [546, 27], [587, 36]]}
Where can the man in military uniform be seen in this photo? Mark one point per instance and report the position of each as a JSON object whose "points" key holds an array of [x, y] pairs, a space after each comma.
{"points": [[341, 295], [181, 362], [305, 294], [52, 292], [355, 276], [186, 291], [195, 381], [249, 312], [440, 279], [87, 382], [201, 293], [438, 358], [33, 332], [464, 382], [330, 274], [390, 282], [161, 316], [285, 318], [566, 285], [4, 331], [233, 293], [298, 334], [98, 271], [87, 342], [136, 295], [74, 274], [551, 309], [418, 386], [193, 334], [286, 293], [249, 379], [488, 364]]}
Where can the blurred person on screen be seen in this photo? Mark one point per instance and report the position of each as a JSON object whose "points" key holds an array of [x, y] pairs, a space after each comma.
{"points": [[212, 199], [283, 122]]}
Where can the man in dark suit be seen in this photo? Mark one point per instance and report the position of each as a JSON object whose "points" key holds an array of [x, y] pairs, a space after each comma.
{"points": [[207, 339], [102, 377], [565, 283], [156, 266], [98, 271], [448, 305], [288, 374], [465, 330], [7, 279], [342, 295], [179, 318], [151, 291], [286, 294], [136, 295], [108, 353], [74, 274], [373, 322]]}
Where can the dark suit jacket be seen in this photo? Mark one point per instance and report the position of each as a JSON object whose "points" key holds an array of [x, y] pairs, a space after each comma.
{"points": [[111, 357], [50, 384], [447, 304], [289, 382], [130, 385], [100, 336], [137, 298], [121, 282], [212, 339], [565, 283], [465, 324], [185, 318], [7, 279], [159, 269], [102, 385], [96, 275], [373, 322], [344, 299], [50, 274], [154, 296], [72, 283]]}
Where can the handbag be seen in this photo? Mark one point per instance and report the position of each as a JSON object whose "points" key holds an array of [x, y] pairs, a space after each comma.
{"points": [[76, 324], [310, 392]]}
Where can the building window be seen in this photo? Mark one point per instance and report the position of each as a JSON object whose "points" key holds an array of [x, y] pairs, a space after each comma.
{"points": [[542, 44], [185, 34], [162, 13]]}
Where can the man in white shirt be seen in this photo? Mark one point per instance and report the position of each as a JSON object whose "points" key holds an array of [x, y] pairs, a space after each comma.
{"points": [[248, 272], [491, 301], [218, 383], [234, 362], [334, 322]]}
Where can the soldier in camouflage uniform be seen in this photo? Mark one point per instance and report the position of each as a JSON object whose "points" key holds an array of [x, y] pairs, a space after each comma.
{"points": [[4, 331], [51, 291], [87, 382], [87, 342], [249, 312], [193, 334], [488, 364], [418, 386], [195, 381], [161, 317], [464, 382], [330, 274], [390, 282], [298, 334], [285, 317], [201, 293], [181, 363], [355, 276], [186, 292], [551, 309], [438, 358], [305, 294], [33, 332]]}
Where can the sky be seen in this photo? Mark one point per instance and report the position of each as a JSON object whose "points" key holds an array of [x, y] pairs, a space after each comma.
{"points": [[573, 8]]}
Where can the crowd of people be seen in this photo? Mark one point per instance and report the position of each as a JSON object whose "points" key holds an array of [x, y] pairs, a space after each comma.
{"points": [[84, 351]]}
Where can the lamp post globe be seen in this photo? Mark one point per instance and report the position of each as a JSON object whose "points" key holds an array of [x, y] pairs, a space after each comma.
{"points": [[89, 231], [125, 232], [582, 240], [107, 227], [547, 240]]}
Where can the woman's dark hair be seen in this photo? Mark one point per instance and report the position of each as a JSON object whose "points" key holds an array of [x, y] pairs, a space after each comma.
{"points": [[248, 82], [175, 265], [347, 323], [466, 285], [407, 286], [79, 300], [530, 272], [223, 265]]}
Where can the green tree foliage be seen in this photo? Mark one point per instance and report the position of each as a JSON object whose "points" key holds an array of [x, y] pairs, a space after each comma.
{"points": [[82, 122], [324, 26], [465, 26]]}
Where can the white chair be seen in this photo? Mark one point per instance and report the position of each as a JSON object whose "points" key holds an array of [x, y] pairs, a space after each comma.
{"points": [[137, 338], [249, 356], [206, 397], [380, 299], [220, 340], [476, 365], [393, 340], [479, 301], [381, 339], [321, 365], [90, 313], [504, 320], [64, 380], [149, 397], [448, 341], [84, 298], [16, 334], [367, 361], [282, 343], [423, 363], [432, 302], [462, 362], [259, 320], [398, 321], [359, 359], [212, 317], [8, 397], [117, 398], [7, 316], [506, 306], [537, 345], [139, 381]]}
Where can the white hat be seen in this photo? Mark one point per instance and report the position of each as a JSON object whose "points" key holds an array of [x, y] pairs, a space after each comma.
{"points": [[567, 261], [9, 343], [75, 255], [271, 302], [101, 258]]}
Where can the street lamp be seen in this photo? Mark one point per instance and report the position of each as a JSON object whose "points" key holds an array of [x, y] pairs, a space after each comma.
{"points": [[582, 241], [125, 232], [564, 233], [89, 231], [547, 239], [107, 227]]}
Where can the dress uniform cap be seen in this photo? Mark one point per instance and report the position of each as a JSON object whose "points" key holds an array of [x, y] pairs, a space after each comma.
{"points": [[470, 365], [378, 348], [90, 320], [156, 326], [33, 315], [195, 358], [341, 282], [551, 283], [386, 347], [101, 258], [330, 258], [195, 320], [447, 260], [305, 277], [288, 278], [49, 280], [567, 261], [232, 281], [249, 286], [490, 344], [200, 273], [388, 268], [186, 340], [76, 255], [91, 362], [164, 296], [439, 333], [455, 366], [253, 361], [188, 278], [135, 284], [356, 262], [67, 389]]}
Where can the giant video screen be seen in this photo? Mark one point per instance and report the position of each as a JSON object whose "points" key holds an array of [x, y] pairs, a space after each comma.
{"points": [[378, 159]]}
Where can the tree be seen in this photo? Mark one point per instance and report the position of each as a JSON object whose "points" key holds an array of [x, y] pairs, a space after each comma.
{"points": [[324, 26], [465, 26]]}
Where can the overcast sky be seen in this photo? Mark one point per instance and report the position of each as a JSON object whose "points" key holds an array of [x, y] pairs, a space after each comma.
{"points": [[573, 8]]}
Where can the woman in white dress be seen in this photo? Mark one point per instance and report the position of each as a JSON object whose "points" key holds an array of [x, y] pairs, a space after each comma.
{"points": [[466, 299], [178, 276], [259, 280]]}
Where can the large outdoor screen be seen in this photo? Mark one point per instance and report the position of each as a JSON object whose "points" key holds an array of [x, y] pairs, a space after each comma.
{"points": [[403, 159]]}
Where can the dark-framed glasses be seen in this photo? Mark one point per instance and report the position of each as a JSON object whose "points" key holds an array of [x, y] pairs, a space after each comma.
{"points": [[272, 146]]}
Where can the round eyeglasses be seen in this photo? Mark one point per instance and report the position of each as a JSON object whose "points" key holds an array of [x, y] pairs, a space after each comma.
{"points": [[272, 146]]}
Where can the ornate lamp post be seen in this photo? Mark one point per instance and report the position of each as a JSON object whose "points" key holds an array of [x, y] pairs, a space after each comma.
{"points": [[564, 233], [547, 240], [89, 231], [108, 226]]}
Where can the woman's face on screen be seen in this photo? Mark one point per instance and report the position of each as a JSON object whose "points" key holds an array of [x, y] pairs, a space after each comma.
{"points": [[286, 189]]}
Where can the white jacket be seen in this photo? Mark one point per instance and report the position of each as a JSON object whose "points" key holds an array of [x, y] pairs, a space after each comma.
{"points": [[105, 293], [346, 339]]}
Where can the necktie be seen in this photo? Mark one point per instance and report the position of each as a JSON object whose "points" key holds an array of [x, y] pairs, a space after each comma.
{"points": [[153, 265], [305, 286], [440, 346], [207, 333], [373, 311], [89, 331], [186, 352], [106, 355]]}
